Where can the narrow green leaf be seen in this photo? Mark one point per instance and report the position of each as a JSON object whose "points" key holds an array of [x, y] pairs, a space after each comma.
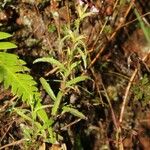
{"points": [[7, 45], [57, 103], [74, 65], [83, 55], [22, 113], [4, 35], [145, 29], [51, 61], [41, 112], [52, 135], [48, 88], [73, 111], [70, 68], [76, 80]]}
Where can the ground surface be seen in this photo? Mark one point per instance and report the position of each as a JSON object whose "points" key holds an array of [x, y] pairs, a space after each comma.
{"points": [[116, 47]]}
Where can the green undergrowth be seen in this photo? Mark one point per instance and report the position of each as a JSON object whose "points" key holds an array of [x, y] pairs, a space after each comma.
{"points": [[15, 75], [141, 91]]}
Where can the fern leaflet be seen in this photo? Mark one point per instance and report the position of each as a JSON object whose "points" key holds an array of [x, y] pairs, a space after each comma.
{"points": [[13, 74]]}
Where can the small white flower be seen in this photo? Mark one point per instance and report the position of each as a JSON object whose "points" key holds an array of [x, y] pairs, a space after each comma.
{"points": [[80, 2], [94, 9]]}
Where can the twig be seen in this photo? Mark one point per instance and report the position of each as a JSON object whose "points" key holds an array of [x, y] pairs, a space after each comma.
{"points": [[132, 21], [126, 94], [13, 143], [7, 103], [10, 125], [111, 108], [128, 89], [69, 125]]}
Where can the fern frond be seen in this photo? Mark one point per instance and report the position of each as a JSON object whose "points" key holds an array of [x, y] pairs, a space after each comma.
{"points": [[13, 73]]}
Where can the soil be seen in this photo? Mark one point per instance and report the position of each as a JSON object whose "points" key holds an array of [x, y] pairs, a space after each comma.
{"points": [[116, 47]]}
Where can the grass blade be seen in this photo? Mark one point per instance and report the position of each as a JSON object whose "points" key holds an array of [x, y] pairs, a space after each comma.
{"points": [[74, 112], [7, 45], [4, 35], [47, 88]]}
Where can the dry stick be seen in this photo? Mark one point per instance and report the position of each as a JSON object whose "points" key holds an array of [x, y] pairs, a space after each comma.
{"points": [[10, 125], [126, 95], [101, 50], [128, 89], [97, 56], [68, 14], [100, 32], [13, 143], [115, 5], [111, 108], [10, 101], [130, 22], [69, 125], [97, 38]]}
